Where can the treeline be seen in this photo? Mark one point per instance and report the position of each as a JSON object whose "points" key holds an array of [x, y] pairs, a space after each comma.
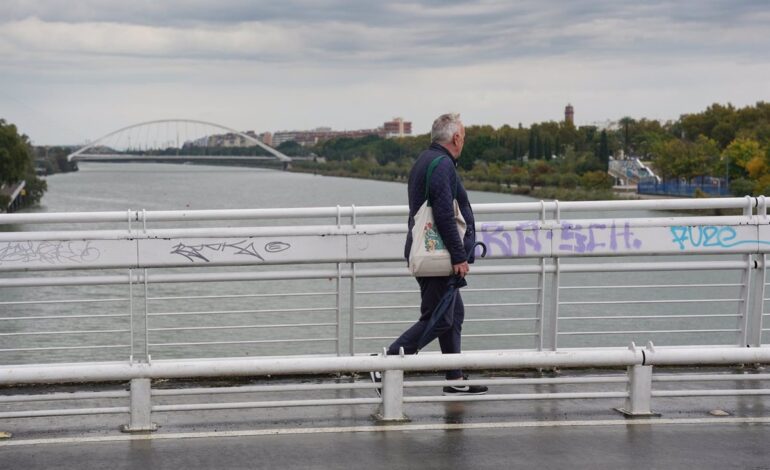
{"points": [[721, 141], [718, 141], [53, 159], [16, 165]]}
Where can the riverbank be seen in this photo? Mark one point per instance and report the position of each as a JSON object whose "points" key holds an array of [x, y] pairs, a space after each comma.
{"points": [[394, 174]]}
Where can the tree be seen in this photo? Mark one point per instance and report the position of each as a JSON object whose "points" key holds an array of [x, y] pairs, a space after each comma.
{"points": [[625, 124], [15, 154], [17, 164], [741, 152], [604, 150]]}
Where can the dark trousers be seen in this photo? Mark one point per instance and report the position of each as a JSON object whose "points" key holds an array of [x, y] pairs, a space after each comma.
{"points": [[431, 291]]}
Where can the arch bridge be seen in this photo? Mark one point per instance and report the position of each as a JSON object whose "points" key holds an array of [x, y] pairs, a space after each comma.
{"points": [[177, 140]]}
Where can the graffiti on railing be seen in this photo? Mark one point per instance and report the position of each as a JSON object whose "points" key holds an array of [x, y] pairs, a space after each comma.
{"points": [[49, 252], [206, 251], [709, 236], [594, 236], [499, 242], [528, 238]]}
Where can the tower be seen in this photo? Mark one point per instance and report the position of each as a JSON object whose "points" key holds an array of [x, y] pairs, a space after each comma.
{"points": [[569, 114]]}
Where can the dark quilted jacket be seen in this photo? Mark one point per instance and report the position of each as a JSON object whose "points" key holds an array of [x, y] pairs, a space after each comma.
{"points": [[441, 188]]}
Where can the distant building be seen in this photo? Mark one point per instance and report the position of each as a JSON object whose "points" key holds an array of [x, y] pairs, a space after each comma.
{"points": [[397, 127], [569, 114]]}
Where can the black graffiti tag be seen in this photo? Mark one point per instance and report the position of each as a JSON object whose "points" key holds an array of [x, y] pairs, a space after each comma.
{"points": [[205, 251]]}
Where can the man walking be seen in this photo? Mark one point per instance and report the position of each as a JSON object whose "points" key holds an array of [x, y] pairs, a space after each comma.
{"points": [[447, 139]]}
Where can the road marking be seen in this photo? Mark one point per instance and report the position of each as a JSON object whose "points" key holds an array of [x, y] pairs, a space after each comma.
{"points": [[382, 428]]}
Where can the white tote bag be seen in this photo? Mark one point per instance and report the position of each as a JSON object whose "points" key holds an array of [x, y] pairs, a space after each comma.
{"points": [[429, 256]]}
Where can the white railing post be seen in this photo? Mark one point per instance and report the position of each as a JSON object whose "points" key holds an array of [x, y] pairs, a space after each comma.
{"points": [[392, 396], [639, 392], [744, 307], [754, 323], [338, 313], [352, 316], [131, 314], [146, 318], [548, 317], [141, 407]]}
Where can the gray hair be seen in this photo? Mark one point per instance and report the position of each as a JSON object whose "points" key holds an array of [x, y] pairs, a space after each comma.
{"points": [[445, 127]]}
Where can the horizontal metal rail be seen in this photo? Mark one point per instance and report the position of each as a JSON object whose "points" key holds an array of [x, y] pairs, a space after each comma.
{"points": [[261, 389], [63, 396], [648, 286], [709, 393], [68, 301], [632, 332], [109, 371], [364, 211], [65, 348], [75, 332], [263, 341], [709, 377], [229, 312], [244, 296], [642, 302], [346, 273], [650, 317], [66, 317], [472, 320], [235, 327], [519, 396], [266, 404], [67, 412]]}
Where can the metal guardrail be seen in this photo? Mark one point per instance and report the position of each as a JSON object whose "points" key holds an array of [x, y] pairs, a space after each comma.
{"points": [[155, 289]]}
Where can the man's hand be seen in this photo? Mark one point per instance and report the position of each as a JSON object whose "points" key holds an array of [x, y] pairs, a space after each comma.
{"points": [[461, 269]]}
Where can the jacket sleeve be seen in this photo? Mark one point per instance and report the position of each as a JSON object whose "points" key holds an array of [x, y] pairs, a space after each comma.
{"points": [[442, 184]]}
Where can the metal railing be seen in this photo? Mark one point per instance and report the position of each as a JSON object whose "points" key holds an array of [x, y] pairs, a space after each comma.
{"points": [[168, 285]]}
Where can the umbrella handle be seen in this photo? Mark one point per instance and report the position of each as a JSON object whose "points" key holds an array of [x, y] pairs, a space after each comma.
{"points": [[483, 248]]}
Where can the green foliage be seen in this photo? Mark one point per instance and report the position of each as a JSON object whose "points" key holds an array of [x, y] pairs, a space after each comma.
{"points": [[54, 159], [741, 152], [289, 147], [16, 164], [15, 154], [680, 158], [741, 187], [708, 143], [569, 180], [596, 180], [35, 189]]}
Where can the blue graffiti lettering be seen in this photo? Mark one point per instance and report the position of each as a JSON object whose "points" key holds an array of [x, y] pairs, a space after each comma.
{"points": [[708, 236]]}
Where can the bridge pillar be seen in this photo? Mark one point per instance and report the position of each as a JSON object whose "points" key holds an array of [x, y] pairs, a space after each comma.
{"points": [[141, 408], [639, 393], [392, 409]]}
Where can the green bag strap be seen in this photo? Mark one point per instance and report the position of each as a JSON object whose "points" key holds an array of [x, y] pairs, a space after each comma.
{"points": [[431, 168]]}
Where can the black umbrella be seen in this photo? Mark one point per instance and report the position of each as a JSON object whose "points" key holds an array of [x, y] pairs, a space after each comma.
{"points": [[442, 317]]}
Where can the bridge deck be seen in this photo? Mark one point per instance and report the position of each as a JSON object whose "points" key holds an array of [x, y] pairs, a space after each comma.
{"points": [[543, 434]]}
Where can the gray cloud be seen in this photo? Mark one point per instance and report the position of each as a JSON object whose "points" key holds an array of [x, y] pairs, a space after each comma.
{"points": [[347, 63], [405, 33]]}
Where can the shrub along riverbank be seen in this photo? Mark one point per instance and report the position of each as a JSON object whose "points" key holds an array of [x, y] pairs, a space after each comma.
{"points": [[599, 186]]}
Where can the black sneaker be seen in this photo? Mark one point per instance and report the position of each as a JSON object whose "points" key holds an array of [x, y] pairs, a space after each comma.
{"points": [[376, 377], [465, 389]]}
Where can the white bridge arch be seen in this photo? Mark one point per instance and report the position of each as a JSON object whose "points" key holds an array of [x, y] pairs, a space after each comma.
{"points": [[81, 154]]}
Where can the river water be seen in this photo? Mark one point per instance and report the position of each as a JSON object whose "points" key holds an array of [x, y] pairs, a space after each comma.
{"points": [[207, 311]]}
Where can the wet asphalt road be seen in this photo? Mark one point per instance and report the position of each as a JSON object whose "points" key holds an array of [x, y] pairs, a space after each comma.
{"points": [[655, 446]]}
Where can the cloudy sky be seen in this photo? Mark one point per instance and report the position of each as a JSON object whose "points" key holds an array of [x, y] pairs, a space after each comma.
{"points": [[72, 70]]}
